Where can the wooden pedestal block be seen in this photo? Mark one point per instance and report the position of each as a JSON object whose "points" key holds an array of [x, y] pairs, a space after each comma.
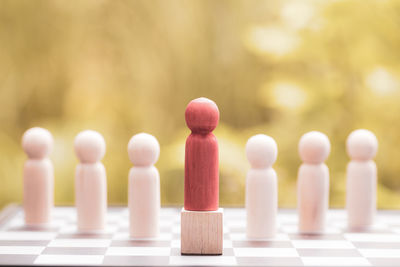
{"points": [[201, 232]]}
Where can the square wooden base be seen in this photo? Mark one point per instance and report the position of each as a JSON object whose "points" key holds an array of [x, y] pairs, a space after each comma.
{"points": [[201, 232]]}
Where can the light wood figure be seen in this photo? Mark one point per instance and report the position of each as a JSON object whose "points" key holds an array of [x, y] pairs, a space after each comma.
{"points": [[201, 219], [90, 182], [313, 183], [261, 187], [38, 177], [144, 186], [362, 146]]}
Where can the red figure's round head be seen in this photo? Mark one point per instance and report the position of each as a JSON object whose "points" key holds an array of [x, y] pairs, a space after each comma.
{"points": [[202, 115]]}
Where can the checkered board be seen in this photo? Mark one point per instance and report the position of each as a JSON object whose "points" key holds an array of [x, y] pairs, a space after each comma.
{"points": [[60, 244]]}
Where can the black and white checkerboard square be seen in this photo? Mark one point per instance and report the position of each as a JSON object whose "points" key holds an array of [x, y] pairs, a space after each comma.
{"points": [[60, 244]]}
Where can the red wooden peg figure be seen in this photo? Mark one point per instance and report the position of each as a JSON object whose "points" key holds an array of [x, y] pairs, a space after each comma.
{"points": [[201, 156]]}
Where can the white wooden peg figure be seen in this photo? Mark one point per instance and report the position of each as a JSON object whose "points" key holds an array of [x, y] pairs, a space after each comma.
{"points": [[90, 182], [313, 183], [261, 187], [362, 146], [38, 177], [144, 186]]}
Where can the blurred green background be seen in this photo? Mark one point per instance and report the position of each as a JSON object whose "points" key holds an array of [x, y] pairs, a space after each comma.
{"points": [[281, 68]]}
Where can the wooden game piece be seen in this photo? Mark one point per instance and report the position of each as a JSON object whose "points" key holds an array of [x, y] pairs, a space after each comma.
{"points": [[201, 181], [201, 232], [313, 182], [362, 146], [201, 156], [38, 177], [144, 186], [261, 187], [90, 181]]}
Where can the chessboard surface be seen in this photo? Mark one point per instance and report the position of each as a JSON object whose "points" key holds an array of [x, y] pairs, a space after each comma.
{"points": [[60, 244]]}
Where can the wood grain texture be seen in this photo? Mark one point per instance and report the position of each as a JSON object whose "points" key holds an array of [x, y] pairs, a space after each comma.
{"points": [[313, 183], [202, 232], [201, 157]]}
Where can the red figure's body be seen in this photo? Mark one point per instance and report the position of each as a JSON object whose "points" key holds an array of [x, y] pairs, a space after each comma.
{"points": [[201, 156]]}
